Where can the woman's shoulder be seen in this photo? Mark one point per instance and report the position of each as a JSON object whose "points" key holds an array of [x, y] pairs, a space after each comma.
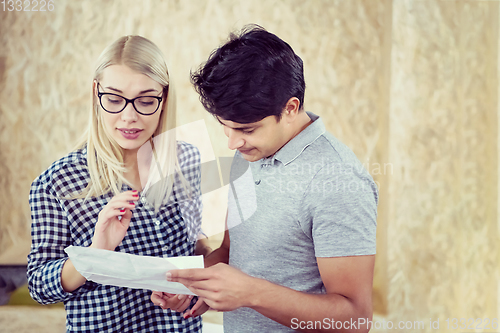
{"points": [[187, 153], [66, 171]]}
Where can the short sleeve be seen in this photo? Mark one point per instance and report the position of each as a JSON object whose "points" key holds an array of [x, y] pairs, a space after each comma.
{"points": [[340, 212]]}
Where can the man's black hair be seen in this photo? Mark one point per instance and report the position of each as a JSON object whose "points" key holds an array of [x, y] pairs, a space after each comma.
{"points": [[250, 77]]}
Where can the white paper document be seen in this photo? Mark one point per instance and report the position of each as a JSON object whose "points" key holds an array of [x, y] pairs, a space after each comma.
{"points": [[132, 271]]}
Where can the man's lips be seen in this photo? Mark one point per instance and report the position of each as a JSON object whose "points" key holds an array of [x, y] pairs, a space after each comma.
{"points": [[245, 151]]}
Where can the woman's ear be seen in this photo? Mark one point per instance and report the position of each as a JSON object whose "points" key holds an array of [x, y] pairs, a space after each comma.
{"points": [[94, 88], [95, 91]]}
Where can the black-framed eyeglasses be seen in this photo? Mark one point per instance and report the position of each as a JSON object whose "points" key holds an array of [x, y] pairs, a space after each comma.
{"points": [[113, 103]]}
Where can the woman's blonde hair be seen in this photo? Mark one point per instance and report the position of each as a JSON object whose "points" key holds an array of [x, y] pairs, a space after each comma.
{"points": [[105, 158]]}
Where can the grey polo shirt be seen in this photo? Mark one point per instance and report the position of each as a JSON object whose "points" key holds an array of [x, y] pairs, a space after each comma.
{"points": [[313, 198]]}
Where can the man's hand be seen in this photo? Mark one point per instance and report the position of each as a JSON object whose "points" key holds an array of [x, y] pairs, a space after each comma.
{"points": [[222, 287]]}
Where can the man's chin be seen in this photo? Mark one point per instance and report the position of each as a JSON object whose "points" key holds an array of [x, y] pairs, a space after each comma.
{"points": [[250, 157]]}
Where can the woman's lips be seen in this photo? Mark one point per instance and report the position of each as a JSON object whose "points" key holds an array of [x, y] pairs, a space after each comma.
{"points": [[130, 134]]}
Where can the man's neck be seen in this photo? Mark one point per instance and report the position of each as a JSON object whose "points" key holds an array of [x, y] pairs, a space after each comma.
{"points": [[302, 122]]}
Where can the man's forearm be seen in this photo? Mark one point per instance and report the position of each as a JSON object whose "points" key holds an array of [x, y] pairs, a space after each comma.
{"points": [[219, 255], [309, 312], [225, 288]]}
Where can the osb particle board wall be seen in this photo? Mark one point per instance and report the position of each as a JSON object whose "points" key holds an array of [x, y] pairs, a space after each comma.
{"points": [[444, 105], [410, 86]]}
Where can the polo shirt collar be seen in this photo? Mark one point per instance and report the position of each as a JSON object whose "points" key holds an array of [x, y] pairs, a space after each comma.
{"points": [[296, 146]]}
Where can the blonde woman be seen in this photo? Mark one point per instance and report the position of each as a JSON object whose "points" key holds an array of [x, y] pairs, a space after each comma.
{"points": [[104, 196]]}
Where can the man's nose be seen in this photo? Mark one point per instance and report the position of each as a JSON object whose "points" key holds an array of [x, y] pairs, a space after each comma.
{"points": [[235, 139]]}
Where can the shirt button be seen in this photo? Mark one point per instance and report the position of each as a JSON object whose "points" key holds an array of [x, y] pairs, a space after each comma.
{"points": [[157, 222], [143, 200]]}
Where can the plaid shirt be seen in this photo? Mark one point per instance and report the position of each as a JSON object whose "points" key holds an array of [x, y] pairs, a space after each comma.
{"points": [[58, 223]]}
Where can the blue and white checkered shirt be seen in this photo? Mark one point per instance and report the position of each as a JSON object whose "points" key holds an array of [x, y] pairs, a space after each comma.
{"points": [[58, 223]]}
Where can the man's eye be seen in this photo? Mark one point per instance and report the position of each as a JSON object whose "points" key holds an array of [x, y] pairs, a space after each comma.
{"points": [[248, 131]]}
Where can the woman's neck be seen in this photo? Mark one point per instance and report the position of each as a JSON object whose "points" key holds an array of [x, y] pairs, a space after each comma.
{"points": [[132, 174]]}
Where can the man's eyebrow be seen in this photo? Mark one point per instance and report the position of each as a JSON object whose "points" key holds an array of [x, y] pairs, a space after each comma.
{"points": [[140, 93], [244, 128]]}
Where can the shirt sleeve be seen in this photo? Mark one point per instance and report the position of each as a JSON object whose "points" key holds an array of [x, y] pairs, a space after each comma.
{"points": [[340, 212], [49, 237]]}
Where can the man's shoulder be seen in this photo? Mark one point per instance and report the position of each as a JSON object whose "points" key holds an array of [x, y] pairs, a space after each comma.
{"points": [[334, 164], [328, 150]]}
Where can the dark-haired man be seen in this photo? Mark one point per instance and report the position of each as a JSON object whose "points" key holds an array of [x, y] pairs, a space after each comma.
{"points": [[299, 249]]}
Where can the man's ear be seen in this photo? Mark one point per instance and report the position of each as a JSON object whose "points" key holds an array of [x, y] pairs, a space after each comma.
{"points": [[291, 108]]}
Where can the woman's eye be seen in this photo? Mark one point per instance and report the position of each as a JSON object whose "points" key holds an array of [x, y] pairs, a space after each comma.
{"points": [[114, 100], [146, 101]]}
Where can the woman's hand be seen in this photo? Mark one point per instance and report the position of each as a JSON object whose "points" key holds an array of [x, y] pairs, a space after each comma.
{"points": [[179, 303], [197, 310], [173, 302], [114, 220]]}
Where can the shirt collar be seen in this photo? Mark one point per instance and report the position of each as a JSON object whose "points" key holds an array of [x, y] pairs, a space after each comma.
{"points": [[296, 146]]}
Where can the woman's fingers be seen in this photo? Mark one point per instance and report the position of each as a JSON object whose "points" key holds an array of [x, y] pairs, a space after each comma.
{"points": [[126, 217], [108, 214], [197, 310], [113, 220], [184, 303], [119, 205], [157, 298], [177, 303], [123, 200]]}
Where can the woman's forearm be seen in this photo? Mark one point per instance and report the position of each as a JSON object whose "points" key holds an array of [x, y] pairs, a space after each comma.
{"points": [[70, 278]]}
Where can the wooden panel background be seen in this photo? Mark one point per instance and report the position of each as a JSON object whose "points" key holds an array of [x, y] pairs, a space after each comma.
{"points": [[411, 86], [443, 253]]}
